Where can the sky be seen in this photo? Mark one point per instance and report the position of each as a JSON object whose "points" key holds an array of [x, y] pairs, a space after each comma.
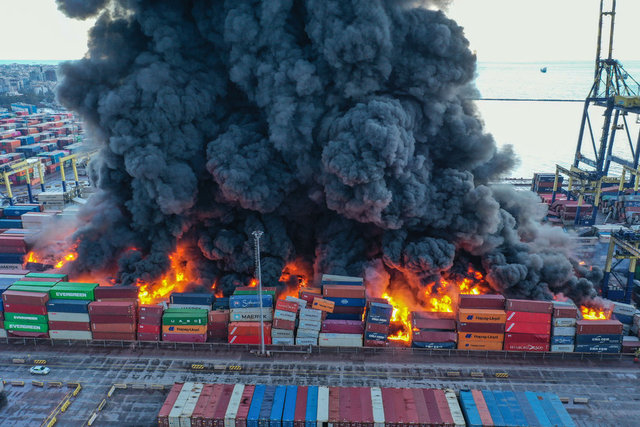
{"points": [[499, 30]]}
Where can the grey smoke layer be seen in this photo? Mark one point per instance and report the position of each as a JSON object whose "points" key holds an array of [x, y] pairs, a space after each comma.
{"points": [[338, 127]]}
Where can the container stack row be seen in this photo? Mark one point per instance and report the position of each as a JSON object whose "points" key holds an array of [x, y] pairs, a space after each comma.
{"points": [[481, 322], [528, 325], [194, 404], [563, 330]]}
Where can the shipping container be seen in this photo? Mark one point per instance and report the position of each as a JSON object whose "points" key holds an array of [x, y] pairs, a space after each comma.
{"points": [[25, 317], [527, 317], [72, 290], [492, 406], [562, 340], [591, 348], [284, 315], [340, 340], [113, 327], [531, 306], [434, 324], [598, 339], [115, 292], [482, 336], [173, 418], [267, 404], [322, 415], [289, 410], [189, 405], [185, 317], [69, 326], [285, 305], [284, 324], [281, 333], [192, 298], [528, 328], [250, 301], [301, 303], [323, 305], [68, 317], [114, 336], [112, 307], [184, 329], [24, 298], [151, 310], [245, 405], [486, 301], [342, 326], [373, 327], [301, 403], [246, 339], [221, 405], [310, 409], [497, 328], [163, 414], [331, 279], [564, 309], [197, 417], [434, 345], [479, 345], [26, 327], [69, 334], [248, 328], [527, 338], [433, 336], [481, 316], [590, 326], [343, 291], [277, 408], [347, 302], [181, 337], [256, 405], [310, 324], [567, 331], [310, 314], [562, 321], [250, 314], [68, 306], [522, 346], [109, 318]]}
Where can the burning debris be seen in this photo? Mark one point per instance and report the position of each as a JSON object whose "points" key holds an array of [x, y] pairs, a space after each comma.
{"points": [[339, 128]]}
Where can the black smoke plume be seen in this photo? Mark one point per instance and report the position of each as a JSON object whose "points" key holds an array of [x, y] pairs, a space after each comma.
{"points": [[338, 127]]}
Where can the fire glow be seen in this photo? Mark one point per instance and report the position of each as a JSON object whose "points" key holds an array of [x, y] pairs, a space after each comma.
{"points": [[177, 279], [589, 313]]}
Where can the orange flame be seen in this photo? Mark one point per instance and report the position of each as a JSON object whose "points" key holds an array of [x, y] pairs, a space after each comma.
{"points": [[31, 257], [589, 313], [175, 280], [72, 256], [400, 315]]}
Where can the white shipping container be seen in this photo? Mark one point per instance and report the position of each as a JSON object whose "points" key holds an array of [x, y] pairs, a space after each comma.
{"points": [[281, 333], [284, 315], [564, 331], [250, 314], [176, 409], [310, 314], [3, 333], [190, 405], [378, 407], [301, 303], [562, 348], [306, 341], [340, 340], [8, 266], [307, 333], [636, 318], [193, 306], [454, 407], [282, 341], [310, 324], [234, 404], [323, 405], [626, 329], [564, 321], [622, 308], [70, 335], [59, 316], [328, 279]]}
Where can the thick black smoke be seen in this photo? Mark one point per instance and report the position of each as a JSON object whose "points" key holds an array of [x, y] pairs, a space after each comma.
{"points": [[338, 127]]}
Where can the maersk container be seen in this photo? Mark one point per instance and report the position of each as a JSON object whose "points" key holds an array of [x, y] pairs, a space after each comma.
{"points": [[322, 415], [256, 405], [68, 306], [277, 409], [469, 409], [245, 405], [534, 402], [250, 301], [289, 411], [250, 314], [267, 404], [173, 418], [190, 405], [234, 404]]}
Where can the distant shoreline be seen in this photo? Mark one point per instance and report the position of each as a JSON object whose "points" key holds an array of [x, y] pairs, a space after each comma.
{"points": [[33, 61]]}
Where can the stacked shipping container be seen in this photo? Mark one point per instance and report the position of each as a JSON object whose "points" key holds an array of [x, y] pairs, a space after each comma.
{"points": [[528, 325], [244, 326], [309, 327], [481, 322], [150, 322], [377, 323], [113, 320], [563, 329], [598, 336], [284, 322], [185, 325], [25, 310], [430, 331]]}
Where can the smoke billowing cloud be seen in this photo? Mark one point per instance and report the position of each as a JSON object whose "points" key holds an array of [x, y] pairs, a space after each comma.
{"points": [[337, 127]]}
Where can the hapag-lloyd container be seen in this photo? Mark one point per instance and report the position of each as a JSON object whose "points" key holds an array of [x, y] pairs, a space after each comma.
{"points": [[486, 336], [479, 345], [184, 329], [481, 316]]}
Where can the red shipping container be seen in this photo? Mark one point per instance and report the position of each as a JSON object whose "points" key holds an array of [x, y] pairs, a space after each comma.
{"points": [[112, 307], [443, 407], [334, 405], [523, 316], [150, 320], [348, 310], [527, 328], [107, 318], [163, 414], [308, 297], [121, 292], [375, 327], [198, 414], [151, 310], [184, 337], [375, 343], [300, 413], [248, 339], [69, 326], [2, 315], [434, 324], [597, 327], [114, 336], [287, 306], [249, 328], [26, 334], [218, 326], [526, 347], [497, 328], [366, 406], [342, 326], [434, 336], [245, 404], [488, 302], [222, 404], [289, 325], [150, 329], [526, 338], [530, 306], [344, 291], [219, 316], [142, 336], [565, 312], [12, 249], [24, 308], [421, 407], [113, 327], [630, 346], [431, 315], [24, 298]]}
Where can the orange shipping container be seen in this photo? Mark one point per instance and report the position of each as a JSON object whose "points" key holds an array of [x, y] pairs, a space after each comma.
{"points": [[472, 315], [184, 329], [323, 305], [480, 336], [479, 345]]}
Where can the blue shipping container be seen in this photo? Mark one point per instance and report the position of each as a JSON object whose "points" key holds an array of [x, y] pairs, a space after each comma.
{"points": [[527, 410], [379, 320], [598, 339], [379, 309], [267, 404], [343, 316], [288, 415], [275, 419], [541, 415], [559, 339], [376, 336], [11, 258], [311, 415], [192, 298], [623, 318], [68, 306], [221, 303], [549, 410], [598, 348], [503, 406], [436, 345], [347, 302], [10, 223], [494, 411], [256, 404], [250, 301], [565, 418], [19, 210], [469, 409], [514, 407]]}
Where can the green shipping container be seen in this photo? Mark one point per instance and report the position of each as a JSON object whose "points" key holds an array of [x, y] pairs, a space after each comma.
{"points": [[252, 292], [26, 327], [184, 319], [191, 311], [42, 289], [48, 276], [27, 283], [80, 285], [25, 318], [70, 291]]}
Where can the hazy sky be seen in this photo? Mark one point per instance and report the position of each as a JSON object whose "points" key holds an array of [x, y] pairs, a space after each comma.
{"points": [[499, 30]]}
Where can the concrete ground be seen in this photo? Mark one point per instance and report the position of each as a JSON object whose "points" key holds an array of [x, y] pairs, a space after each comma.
{"points": [[611, 386]]}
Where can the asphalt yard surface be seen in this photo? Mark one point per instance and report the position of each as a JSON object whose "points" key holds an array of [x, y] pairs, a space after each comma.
{"points": [[611, 386]]}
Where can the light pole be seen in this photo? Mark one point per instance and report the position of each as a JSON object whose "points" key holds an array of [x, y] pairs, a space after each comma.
{"points": [[256, 237]]}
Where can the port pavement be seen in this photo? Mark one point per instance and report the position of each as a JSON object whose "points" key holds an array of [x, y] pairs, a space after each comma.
{"points": [[611, 386]]}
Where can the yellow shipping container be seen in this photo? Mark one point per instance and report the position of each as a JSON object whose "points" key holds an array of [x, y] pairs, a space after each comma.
{"points": [[474, 315], [184, 329]]}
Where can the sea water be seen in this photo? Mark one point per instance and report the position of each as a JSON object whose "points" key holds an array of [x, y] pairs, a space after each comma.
{"points": [[545, 133]]}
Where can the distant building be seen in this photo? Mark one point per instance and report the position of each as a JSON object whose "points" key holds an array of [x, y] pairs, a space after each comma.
{"points": [[50, 75]]}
